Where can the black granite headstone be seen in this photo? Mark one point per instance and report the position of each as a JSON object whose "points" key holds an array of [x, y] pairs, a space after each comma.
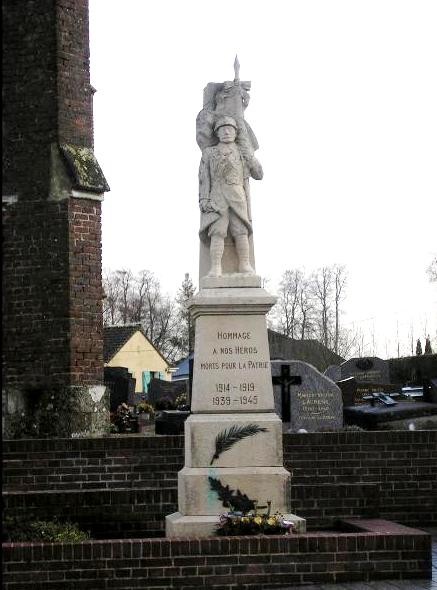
{"points": [[366, 370], [160, 389], [170, 422], [355, 393], [121, 386]]}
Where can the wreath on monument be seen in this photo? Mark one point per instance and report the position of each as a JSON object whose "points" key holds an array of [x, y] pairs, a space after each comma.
{"points": [[252, 523]]}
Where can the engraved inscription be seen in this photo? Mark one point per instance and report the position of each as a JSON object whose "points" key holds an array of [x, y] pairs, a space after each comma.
{"points": [[234, 372], [316, 405]]}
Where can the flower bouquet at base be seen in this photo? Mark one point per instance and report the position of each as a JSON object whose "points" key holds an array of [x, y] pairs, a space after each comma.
{"points": [[144, 407], [252, 523]]}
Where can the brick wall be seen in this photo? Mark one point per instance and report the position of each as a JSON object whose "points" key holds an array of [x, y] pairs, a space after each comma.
{"points": [[35, 294], [52, 308], [86, 314], [335, 475], [75, 107], [401, 464], [30, 96], [83, 464], [384, 551], [108, 514]]}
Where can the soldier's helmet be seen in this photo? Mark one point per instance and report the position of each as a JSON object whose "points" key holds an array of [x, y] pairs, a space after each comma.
{"points": [[225, 120]]}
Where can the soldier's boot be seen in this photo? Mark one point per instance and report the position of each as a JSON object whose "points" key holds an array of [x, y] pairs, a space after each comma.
{"points": [[216, 250], [242, 247]]}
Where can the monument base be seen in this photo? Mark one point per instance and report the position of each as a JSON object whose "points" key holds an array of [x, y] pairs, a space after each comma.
{"points": [[201, 490], [230, 280], [178, 525], [263, 449]]}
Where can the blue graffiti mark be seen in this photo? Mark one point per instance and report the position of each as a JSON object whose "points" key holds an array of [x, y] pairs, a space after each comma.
{"points": [[212, 497]]}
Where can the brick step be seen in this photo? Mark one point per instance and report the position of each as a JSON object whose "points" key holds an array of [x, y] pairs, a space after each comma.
{"points": [[37, 469], [94, 446], [414, 480], [36, 476], [106, 513], [83, 485], [322, 504]]}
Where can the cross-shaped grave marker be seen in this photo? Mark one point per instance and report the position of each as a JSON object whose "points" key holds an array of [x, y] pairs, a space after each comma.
{"points": [[285, 381]]}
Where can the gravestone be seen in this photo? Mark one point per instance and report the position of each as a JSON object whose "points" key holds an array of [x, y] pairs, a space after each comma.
{"points": [[171, 421], [333, 372], [356, 393], [170, 390], [366, 370], [233, 437], [121, 386], [433, 391], [305, 398]]}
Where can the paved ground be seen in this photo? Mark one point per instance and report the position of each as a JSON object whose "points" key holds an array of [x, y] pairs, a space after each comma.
{"points": [[387, 584]]}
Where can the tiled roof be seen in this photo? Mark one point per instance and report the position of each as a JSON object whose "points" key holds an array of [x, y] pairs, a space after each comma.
{"points": [[114, 337]]}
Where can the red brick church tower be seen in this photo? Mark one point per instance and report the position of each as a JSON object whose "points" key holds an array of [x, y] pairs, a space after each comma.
{"points": [[52, 193]]}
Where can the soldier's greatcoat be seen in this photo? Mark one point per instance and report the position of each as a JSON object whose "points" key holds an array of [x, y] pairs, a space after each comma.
{"points": [[224, 182]]}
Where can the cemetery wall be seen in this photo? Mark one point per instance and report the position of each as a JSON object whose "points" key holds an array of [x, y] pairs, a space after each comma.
{"points": [[413, 370], [335, 475], [387, 552], [392, 474]]}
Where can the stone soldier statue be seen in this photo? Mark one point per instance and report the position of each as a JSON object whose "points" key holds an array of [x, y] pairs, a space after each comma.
{"points": [[228, 144], [223, 178]]}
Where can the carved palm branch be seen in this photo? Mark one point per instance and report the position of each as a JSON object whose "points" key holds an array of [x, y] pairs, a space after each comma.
{"points": [[231, 499], [227, 438]]}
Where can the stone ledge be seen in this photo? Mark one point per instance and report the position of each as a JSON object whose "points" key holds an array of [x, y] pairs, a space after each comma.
{"points": [[228, 301], [178, 525], [230, 280]]}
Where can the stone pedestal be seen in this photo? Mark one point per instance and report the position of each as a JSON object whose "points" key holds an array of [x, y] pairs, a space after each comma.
{"points": [[233, 439]]}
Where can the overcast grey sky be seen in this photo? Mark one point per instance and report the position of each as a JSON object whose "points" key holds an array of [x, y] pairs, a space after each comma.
{"points": [[343, 104]]}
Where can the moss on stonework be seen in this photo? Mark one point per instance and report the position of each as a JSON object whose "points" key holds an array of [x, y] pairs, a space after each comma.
{"points": [[59, 413], [84, 168]]}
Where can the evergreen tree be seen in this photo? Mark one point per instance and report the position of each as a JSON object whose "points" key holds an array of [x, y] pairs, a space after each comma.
{"points": [[428, 347], [418, 347]]}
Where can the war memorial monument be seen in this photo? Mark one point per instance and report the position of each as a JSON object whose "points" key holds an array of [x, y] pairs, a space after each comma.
{"points": [[233, 438]]}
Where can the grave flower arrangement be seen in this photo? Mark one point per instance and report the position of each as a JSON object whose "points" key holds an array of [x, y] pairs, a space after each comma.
{"points": [[181, 401], [145, 408], [252, 523], [122, 418]]}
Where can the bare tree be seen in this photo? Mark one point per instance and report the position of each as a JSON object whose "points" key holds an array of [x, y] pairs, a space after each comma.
{"points": [[310, 306], [411, 338], [165, 326], [111, 301], [288, 302], [360, 348], [306, 310], [126, 279], [340, 278], [145, 283], [349, 340], [322, 282], [138, 299], [432, 270]]}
